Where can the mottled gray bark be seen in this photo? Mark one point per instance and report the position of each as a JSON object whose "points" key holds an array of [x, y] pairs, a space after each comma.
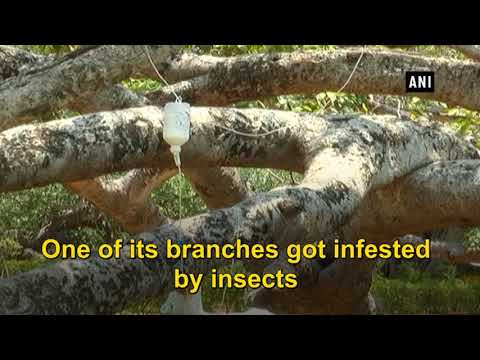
{"points": [[99, 286], [437, 196], [13, 60], [376, 158], [128, 200], [345, 159], [95, 286], [18, 62], [199, 64], [181, 67], [254, 77], [50, 88]]}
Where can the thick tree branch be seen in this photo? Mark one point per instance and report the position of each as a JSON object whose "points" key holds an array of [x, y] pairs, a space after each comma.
{"points": [[354, 190], [352, 163], [440, 195], [96, 144], [15, 61], [105, 288], [181, 67], [18, 62], [127, 199], [258, 76], [436, 196], [52, 87]]}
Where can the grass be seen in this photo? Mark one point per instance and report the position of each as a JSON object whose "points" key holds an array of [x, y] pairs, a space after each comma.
{"points": [[416, 293], [420, 293], [428, 297]]}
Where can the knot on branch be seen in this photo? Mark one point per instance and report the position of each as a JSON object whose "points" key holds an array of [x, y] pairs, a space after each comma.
{"points": [[290, 209]]}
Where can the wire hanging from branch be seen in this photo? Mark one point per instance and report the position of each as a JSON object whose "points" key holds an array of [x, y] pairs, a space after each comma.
{"points": [[256, 135]]}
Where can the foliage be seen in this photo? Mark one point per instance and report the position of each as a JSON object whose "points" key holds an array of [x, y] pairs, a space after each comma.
{"points": [[49, 49], [472, 239], [419, 293], [15, 266], [9, 248], [24, 212], [232, 50]]}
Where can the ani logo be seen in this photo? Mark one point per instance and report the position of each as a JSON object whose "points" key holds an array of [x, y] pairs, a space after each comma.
{"points": [[420, 81]]}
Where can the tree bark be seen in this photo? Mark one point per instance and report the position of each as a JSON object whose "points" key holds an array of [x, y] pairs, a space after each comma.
{"points": [[51, 87], [345, 159], [255, 77]]}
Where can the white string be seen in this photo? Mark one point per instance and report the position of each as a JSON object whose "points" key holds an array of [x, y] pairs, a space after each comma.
{"points": [[180, 208], [350, 77], [179, 99], [353, 71], [249, 134]]}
